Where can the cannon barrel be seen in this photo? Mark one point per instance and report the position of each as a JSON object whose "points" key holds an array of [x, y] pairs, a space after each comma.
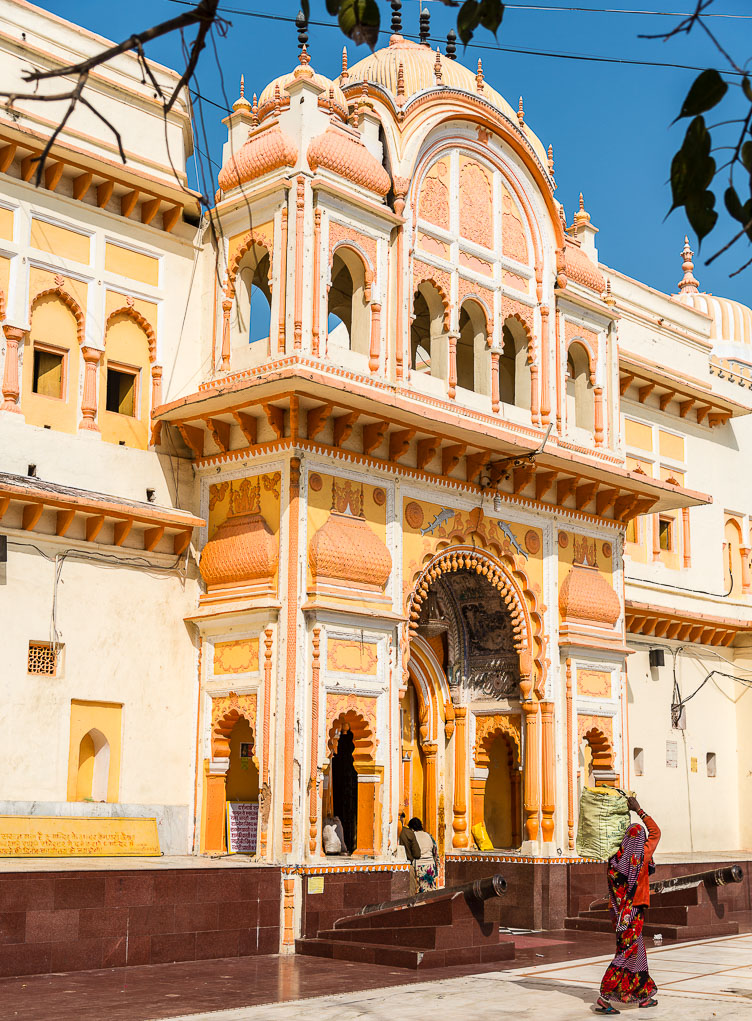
{"points": [[713, 877], [479, 890]]}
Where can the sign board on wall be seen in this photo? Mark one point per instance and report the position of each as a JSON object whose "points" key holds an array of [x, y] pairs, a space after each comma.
{"points": [[242, 827], [55, 836], [315, 884]]}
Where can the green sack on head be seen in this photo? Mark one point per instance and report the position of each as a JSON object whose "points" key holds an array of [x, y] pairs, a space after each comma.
{"points": [[604, 819]]}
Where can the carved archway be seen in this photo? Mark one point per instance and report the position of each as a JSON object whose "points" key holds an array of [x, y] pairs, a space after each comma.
{"points": [[515, 590], [355, 251], [69, 301], [253, 239], [578, 341], [222, 732], [600, 746], [142, 322], [351, 720], [488, 730]]}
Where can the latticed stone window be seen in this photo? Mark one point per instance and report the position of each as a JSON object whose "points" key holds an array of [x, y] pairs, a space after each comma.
{"points": [[42, 658]]}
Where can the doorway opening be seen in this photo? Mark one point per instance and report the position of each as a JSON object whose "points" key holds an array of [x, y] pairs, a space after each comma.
{"points": [[345, 787]]}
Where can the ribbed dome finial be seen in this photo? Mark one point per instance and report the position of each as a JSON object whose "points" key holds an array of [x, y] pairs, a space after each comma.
{"points": [[343, 73], [688, 283], [479, 76], [521, 114]]}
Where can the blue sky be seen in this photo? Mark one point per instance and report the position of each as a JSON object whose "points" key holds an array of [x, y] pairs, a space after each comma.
{"points": [[609, 123]]}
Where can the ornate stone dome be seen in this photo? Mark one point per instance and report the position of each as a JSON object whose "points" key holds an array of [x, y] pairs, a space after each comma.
{"points": [[418, 69], [243, 551], [340, 151], [731, 322], [268, 148], [346, 551], [586, 596]]}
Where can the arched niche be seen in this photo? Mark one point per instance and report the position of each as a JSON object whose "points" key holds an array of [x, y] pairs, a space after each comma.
{"points": [[514, 371], [92, 778], [353, 779], [473, 356], [580, 399], [124, 379], [250, 314], [348, 324], [428, 354], [732, 559], [52, 361]]}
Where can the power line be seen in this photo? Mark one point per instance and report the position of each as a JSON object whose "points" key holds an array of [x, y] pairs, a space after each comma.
{"points": [[590, 58]]}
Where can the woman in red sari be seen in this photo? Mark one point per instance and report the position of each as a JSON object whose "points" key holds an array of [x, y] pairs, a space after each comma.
{"points": [[627, 978]]}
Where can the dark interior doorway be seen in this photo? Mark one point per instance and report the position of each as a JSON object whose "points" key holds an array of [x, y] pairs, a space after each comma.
{"points": [[345, 788]]}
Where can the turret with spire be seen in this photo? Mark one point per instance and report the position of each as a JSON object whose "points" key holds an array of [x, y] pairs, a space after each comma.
{"points": [[688, 283]]}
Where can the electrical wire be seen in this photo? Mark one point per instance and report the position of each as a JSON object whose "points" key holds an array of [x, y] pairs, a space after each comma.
{"points": [[557, 54]]}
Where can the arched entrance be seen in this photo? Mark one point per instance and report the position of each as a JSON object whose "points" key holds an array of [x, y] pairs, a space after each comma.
{"points": [[352, 780], [345, 788], [232, 773], [493, 653], [413, 727]]}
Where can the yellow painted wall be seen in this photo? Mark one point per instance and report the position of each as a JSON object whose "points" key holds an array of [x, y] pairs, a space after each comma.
{"points": [[638, 435], [106, 717], [52, 323], [4, 278], [260, 229], [126, 344], [351, 657], [671, 445], [237, 657], [85, 775], [114, 300], [600, 549], [66, 244], [134, 265], [41, 280], [242, 774], [497, 806], [6, 224]]}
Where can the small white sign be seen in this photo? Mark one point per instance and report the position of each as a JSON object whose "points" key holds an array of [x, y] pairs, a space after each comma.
{"points": [[242, 827], [672, 754]]}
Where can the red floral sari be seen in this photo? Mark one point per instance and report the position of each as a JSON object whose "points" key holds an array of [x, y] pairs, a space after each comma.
{"points": [[627, 978]]}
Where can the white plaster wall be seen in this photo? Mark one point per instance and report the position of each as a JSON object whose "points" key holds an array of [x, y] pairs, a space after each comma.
{"points": [[694, 812], [124, 641]]}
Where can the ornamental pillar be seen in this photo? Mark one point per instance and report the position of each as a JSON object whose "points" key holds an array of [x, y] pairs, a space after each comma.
{"points": [[534, 395], [282, 324], [545, 403], [313, 781], [293, 517], [156, 386], [226, 309], [516, 779], [264, 793], [452, 373], [11, 389], [570, 764], [430, 751], [687, 549], [299, 253], [495, 403], [598, 414], [459, 821], [744, 552], [532, 751], [89, 399], [375, 350], [548, 800]]}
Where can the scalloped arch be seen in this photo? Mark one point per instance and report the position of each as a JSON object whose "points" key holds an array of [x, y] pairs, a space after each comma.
{"points": [[222, 731], [362, 735], [254, 237], [140, 320], [603, 753], [425, 277], [361, 256], [513, 585], [475, 299], [69, 301], [581, 342], [500, 726]]}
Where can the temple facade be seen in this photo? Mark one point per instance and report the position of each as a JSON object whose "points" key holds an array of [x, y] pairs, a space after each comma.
{"points": [[372, 492]]}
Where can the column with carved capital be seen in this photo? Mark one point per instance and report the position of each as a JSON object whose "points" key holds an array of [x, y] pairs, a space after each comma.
{"points": [[293, 518], [452, 339], [89, 399], [313, 791], [226, 309], [548, 799], [495, 402], [545, 386], [459, 821], [516, 782], [532, 752], [598, 415], [430, 751], [534, 395], [11, 389]]}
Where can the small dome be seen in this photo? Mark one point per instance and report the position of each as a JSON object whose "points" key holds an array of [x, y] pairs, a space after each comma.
{"points": [[586, 596], [339, 151], [581, 269], [278, 86], [345, 551], [267, 149], [243, 550], [731, 322], [418, 64]]}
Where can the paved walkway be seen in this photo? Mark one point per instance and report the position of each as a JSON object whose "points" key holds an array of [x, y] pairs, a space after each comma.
{"points": [[697, 981]]}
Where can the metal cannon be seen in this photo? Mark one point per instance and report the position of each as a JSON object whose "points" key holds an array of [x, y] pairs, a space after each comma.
{"points": [[479, 890], [713, 877]]}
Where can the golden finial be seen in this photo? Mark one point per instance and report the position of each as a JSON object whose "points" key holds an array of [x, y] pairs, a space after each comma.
{"points": [[304, 58], [401, 82], [331, 101], [581, 216], [479, 76], [241, 103], [688, 284], [254, 110], [563, 218], [551, 160], [521, 114], [437, 67], [343, 74], [277, 98], [608, 297]]}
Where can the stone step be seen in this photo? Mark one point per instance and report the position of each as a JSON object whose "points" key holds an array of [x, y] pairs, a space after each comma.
{"points": [[412, 958], [421, 937], [700, 930]]}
